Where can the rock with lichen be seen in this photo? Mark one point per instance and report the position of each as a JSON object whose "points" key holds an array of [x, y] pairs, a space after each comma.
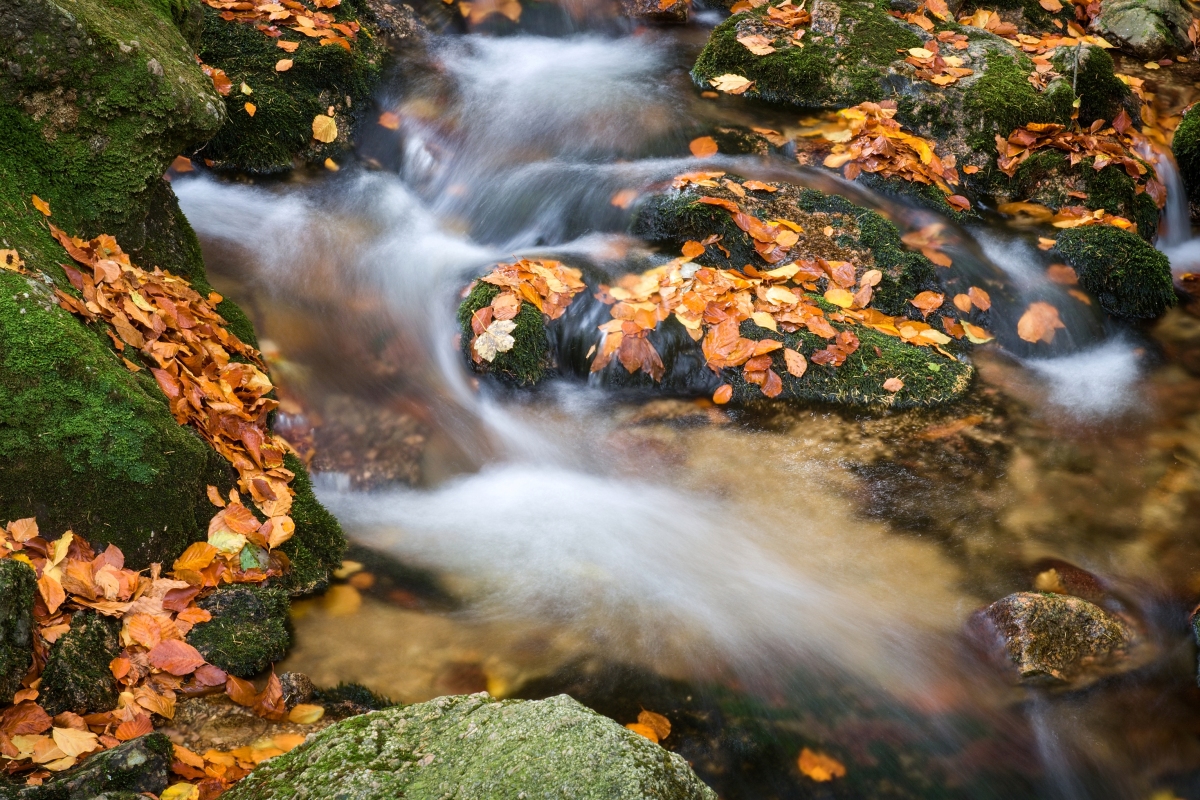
{"points": [[1146, 29], [476, 748], [1053, 638], [127, 771]]}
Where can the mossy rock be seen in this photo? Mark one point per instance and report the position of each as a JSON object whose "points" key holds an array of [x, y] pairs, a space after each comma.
{"points": [[279, 134], [526, 363], [77, 677], [1186, 146], [1146, 29], [1102, 95], [248, 631], [475, 748], [1129, 278], [142, 765], [96, 99], [858, 55], [17, 585]]}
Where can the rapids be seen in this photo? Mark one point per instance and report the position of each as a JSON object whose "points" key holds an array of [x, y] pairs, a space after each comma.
{"points": [[796, 556]]}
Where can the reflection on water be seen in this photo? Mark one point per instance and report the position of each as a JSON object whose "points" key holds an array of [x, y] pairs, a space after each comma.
{"points": [[784, 555]]}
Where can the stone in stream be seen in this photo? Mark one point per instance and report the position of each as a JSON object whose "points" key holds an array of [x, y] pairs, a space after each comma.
{"points": [[122, 773], [97, 98], [854, 51], [248, 631], [1147, 29], [475, 748], [1052, 638], [17, 587], [1186, 147], [77, 677], [1128, 277]]}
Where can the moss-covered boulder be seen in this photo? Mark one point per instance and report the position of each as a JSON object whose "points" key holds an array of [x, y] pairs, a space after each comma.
{"points": [[17, 585], [1053, 638], [855, 53], [248, 631], [476, 748], [279, 134], [97, 97], [125, 772], [1186, 146], [1127, 276], [77, 677], [526, 363], [1146, 29]]}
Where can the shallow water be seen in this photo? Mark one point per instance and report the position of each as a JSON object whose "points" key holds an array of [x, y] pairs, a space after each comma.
{"points": [[803, 573]]}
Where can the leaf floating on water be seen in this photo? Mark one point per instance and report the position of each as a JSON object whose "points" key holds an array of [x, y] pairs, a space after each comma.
{"points": [[1039, 322], [495, 339], [324, 128], [390, 120], [731, 84], [820, 767], [703, 147], [979, 298], [976, 334], [624, 198], [1062, 274]]}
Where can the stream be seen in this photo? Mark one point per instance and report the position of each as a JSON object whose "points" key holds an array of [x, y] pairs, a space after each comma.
{"points": [[770, 578]]}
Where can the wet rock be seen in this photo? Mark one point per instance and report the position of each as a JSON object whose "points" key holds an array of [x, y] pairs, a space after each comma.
{"points": [[17, 585], [1052, 638], [297, 688], [1128, 277], [77, 677], [666, 11], [280, 135], [476, 747], [248, 631], [1186, 146], [215, 722], [128, 770], [350, 699], [1147, 29]]}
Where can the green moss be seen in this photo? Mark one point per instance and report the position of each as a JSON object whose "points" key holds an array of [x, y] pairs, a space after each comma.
{"points": [[526, 363], [672, 218], [318, 544], [17, 585], [820, 74], [248, 631], [1186, 146], [1002, 99], [1101, 93], [1128, 277], [929, 377], [286, 102], [1114, 191], [77, 677]]}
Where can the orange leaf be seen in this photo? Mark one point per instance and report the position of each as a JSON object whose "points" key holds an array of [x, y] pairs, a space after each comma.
{"points": [[643, 730], [980, 298], [241, 692], [41, 205], [692, 249], [286, 45], [119, 667], [250, 108], [138, 726], [703, 147], [797, 365], [893, 385], [819, 766], [51, 591], [928, 301], [624, 198], [660, 724], [283, 65], [723, 394], [1039, 322], [269, 703], [176, 657], [962, 302], [198, 556], [390, 120]]}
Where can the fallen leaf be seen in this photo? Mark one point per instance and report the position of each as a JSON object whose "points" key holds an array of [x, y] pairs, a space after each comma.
{"points": [[660, 724], [819, 766], [692, 249], [624, 198], [928, 301], [495, 339], [74, 742], [286, 45], [331, 165], [643, 730], [757, 44], [979, 298], [975, 334], [176, 657], [305, 714], [703, 147], [962, 302], [324, 128], [390, 120], [731, 84], [1039, 322], [723, 394], [250, 108], [181, 791], [283, 65], [41, 205], [892, 385], [1062, 274], [795, 362], [138, 726]]}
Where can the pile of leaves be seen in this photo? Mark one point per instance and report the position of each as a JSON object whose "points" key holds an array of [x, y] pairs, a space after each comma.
{"points": [[711, 304], [867, 138], [156, 665], [548, 285], [272, 17], [1119, 144], [782, 25], [934, 66], [225, 400]]}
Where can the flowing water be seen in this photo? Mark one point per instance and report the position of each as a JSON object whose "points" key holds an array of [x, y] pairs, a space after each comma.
{"points": [[772, 579]]}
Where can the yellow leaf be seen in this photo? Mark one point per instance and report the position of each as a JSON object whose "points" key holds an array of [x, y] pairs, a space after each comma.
{"points": [[41, 205], [764, 320], [331, 165], [75, 743], [246, 88], [181, 791], [920, 52], [730, 83], [839, 297], [324, 129], [305, 714]]}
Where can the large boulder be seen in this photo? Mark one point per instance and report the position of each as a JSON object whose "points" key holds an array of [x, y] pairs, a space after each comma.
{"points": [[475, 748], [1147, 29], [96, 99], [1128, 277]]}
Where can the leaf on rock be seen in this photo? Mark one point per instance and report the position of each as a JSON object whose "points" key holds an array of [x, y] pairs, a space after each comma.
{"points": [[893, 385], [723, 394], [495, 339], [176, 657], [324, 128], [731, 84]]}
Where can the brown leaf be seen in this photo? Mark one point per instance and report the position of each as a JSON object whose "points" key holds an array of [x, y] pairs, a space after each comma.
{"points": [[979, 298], [928, 302], [24, 719], [138, 726], [1039, 322], [660, 724]]}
